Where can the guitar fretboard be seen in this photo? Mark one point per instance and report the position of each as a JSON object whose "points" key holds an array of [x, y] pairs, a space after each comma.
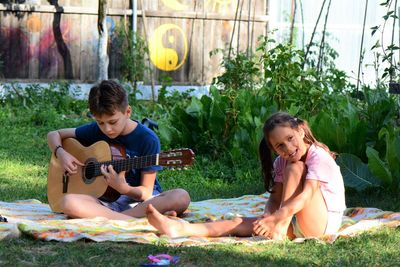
{"points": [[127, 164]]}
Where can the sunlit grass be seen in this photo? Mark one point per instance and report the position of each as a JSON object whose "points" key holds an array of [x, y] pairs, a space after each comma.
{"points": [[22, 180]]}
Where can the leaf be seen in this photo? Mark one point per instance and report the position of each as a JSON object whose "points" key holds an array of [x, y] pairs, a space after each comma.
{"points": [[376, 45], [378, 167], [388, 15], [374, 29], [195, 107], [356, 173], [216, 120], [185, 124], [392, 150], [165, 133]]}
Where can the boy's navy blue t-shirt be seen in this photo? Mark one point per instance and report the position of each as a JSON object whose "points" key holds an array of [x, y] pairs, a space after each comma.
{"points": [[141, 141]]}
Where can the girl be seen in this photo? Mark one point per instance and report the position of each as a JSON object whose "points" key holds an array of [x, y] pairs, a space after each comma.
{"points": [[307, 192]]}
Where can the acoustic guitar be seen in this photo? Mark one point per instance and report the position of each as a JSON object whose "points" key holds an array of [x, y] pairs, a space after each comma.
{"points": [[89, 180]]}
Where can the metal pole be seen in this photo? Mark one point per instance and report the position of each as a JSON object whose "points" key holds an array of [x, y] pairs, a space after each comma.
{"points": [[134, 16], [392, 63], [361, 47]]}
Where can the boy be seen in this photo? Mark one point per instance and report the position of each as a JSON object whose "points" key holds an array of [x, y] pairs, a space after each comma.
{"points": [[108, 103]]}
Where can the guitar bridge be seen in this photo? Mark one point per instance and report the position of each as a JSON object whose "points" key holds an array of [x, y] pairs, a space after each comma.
{"points": [[65, 182]]}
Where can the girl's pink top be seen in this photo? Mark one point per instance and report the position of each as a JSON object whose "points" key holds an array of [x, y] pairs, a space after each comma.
{"points": [[322, 167]]}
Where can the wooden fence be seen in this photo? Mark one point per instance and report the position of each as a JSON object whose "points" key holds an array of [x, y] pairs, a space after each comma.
{"points": [[46, 40]]}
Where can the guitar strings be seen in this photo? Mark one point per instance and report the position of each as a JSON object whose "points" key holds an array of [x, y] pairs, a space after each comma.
{"points": [[124, 164], [131, 163]]}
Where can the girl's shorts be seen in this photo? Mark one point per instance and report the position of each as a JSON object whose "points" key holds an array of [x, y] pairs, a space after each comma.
{"points": [[332, 226]]}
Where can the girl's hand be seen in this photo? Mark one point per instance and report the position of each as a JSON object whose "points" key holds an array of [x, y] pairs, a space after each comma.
{"points": [[114, 179], [69, 163], [270, 227]]}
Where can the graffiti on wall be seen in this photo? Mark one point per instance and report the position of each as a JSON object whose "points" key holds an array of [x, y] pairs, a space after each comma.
{"points": [[36, 43], [162, 46], [13, 62]]}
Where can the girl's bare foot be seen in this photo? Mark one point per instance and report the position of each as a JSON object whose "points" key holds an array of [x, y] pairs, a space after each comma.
{"points": [[171, 213], [163, 224]]}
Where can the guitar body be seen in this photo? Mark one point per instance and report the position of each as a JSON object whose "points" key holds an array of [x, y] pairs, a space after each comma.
{"points": [[77, 184], [89, 181]]}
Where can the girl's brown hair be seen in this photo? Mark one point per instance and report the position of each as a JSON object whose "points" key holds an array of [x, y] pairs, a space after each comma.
{"points": [[265, 150]]}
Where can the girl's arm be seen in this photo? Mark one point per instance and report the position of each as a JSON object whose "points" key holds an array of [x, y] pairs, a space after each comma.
{"points": [[274, 200], [276, 225], [296, 204]]}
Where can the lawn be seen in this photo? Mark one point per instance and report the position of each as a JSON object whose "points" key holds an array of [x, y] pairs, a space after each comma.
{"points": [[23, 172]]}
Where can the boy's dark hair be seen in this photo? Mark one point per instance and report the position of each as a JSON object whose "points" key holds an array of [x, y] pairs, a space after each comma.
{"points": [[107, 97], [265, 150]]}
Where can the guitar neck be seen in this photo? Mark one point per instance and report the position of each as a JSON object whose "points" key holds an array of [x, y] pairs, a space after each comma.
{"points": [[128, 164]]}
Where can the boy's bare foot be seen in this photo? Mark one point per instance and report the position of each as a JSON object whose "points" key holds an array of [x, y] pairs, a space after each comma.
{"points": [[163, 224]]}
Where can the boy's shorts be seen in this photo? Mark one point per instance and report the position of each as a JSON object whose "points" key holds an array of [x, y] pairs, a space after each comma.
{"points": [[124, 202], [332, 226]]}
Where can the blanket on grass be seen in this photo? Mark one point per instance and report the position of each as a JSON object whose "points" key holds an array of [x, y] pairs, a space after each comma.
{"points": [[35, 219]]}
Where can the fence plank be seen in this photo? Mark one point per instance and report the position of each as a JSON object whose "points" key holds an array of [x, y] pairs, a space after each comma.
{"points": [[74, 39], [34, 26], [89, 48]]}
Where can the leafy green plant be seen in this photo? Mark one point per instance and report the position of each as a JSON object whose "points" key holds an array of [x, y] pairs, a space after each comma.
{"points": [[241, 71], [356, 174], [289, 85], [43, 105], [134, 50], [203, 123], [387, 169], [253, 110], [249, 90], [388, 51], [341, 128], [379, 109]]}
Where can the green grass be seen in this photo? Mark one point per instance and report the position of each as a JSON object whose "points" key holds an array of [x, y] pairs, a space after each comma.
{"points": [[23, 172], [379, 248]]}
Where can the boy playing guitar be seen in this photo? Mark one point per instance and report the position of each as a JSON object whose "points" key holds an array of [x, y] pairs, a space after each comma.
{"points": [[137, 187]]}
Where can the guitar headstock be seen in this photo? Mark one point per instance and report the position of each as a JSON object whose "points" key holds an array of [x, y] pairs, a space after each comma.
{"points": [[176, 158]]}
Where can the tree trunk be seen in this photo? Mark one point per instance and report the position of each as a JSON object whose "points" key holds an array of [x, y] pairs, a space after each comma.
{"points": [[103, 40]]}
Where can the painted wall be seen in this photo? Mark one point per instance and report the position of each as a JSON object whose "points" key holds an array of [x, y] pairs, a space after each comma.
{"points": [[39, 44]]}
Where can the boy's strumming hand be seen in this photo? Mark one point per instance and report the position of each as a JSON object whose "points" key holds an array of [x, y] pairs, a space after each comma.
{"points": [[69, 163]]}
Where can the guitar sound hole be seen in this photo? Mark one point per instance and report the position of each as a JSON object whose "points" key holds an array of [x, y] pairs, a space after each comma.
{"points": [[89, 171]]}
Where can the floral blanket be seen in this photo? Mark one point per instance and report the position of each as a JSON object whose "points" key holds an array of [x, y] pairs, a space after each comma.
{"points": [[35, 219]]}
